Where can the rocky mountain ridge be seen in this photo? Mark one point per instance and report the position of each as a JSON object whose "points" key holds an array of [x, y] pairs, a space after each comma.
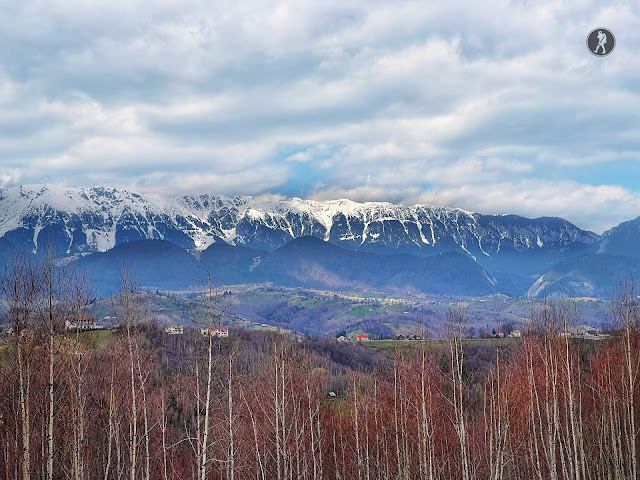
{"points": [[98, 218], [546, 256]]}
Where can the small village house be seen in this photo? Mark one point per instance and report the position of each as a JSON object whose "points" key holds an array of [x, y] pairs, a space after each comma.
{"points": [[215, 331], [84, 323], [174, 329]]}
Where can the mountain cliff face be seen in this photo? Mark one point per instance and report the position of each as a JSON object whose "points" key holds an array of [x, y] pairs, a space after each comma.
{"points": [[591, 275], [96, 219], [597, 274], [622, 240]]}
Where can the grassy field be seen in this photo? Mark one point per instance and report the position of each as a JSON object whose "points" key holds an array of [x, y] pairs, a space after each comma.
{"points": [[258, 297], [96, 339], [361, 310]]}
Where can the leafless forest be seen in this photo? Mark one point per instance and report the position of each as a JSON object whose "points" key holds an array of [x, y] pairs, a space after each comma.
{"points": [[266, 406]]}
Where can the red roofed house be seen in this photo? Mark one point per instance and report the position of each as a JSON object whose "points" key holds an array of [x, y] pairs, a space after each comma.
{"points": [[215, 332]]}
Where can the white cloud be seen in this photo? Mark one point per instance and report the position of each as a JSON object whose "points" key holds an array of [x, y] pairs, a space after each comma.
{"points": [[493, 106], [590, 207]]}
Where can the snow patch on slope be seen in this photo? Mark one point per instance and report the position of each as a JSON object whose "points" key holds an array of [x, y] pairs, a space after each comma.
{"points": [[539, 285], [101, 212]]}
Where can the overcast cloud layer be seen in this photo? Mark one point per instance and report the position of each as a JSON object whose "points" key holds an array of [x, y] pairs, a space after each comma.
{"points": [[490, 106]]}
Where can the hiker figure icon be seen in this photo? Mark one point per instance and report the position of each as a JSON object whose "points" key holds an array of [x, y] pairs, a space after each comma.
{"points": [[602, 41]]}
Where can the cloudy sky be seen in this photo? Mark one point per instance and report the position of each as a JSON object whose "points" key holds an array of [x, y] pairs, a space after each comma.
{"points": [[492, 106]]}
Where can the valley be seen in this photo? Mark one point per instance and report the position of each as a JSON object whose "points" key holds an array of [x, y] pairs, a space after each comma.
{"points": [[331, 314]]}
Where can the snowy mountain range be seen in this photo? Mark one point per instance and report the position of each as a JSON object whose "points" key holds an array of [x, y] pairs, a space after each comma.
{"points": [[96, 219], [515, 250]]}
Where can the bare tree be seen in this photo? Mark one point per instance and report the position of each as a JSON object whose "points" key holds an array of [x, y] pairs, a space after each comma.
{"points": [[496, 411], [231, 450], [625, 313], [111, 418], [426, 414], [65, 297], [20, 287], [456, 331], [356, 426], [128, 308], [209, 315]]}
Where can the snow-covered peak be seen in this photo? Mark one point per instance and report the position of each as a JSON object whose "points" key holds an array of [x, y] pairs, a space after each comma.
{"points": [[98, 218]]}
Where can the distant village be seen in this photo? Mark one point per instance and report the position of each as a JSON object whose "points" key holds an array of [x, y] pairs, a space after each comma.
{"points": [[579, 331], [90, 323]]}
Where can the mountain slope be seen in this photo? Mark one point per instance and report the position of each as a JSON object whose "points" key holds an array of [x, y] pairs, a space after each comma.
{"points": [[230, 265], [154, 263], [592, 275], [622, 240], [7, 252], [311, 262], [306, 262], [97, 219]]}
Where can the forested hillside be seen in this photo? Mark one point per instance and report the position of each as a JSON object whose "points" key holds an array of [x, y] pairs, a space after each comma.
{"points": [[137, 403]]}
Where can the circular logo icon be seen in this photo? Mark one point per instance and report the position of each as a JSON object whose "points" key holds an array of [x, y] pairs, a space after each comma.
{"points": [[601, 42]]}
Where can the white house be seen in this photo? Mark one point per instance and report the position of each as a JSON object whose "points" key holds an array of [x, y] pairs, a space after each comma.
{"points": [[215, 331], [174, 329], [83, 324]]}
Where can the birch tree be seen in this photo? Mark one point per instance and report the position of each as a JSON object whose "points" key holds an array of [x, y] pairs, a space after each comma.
{"points": [[127, 306], [456, 331], [20, 287], [625, 312]]}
